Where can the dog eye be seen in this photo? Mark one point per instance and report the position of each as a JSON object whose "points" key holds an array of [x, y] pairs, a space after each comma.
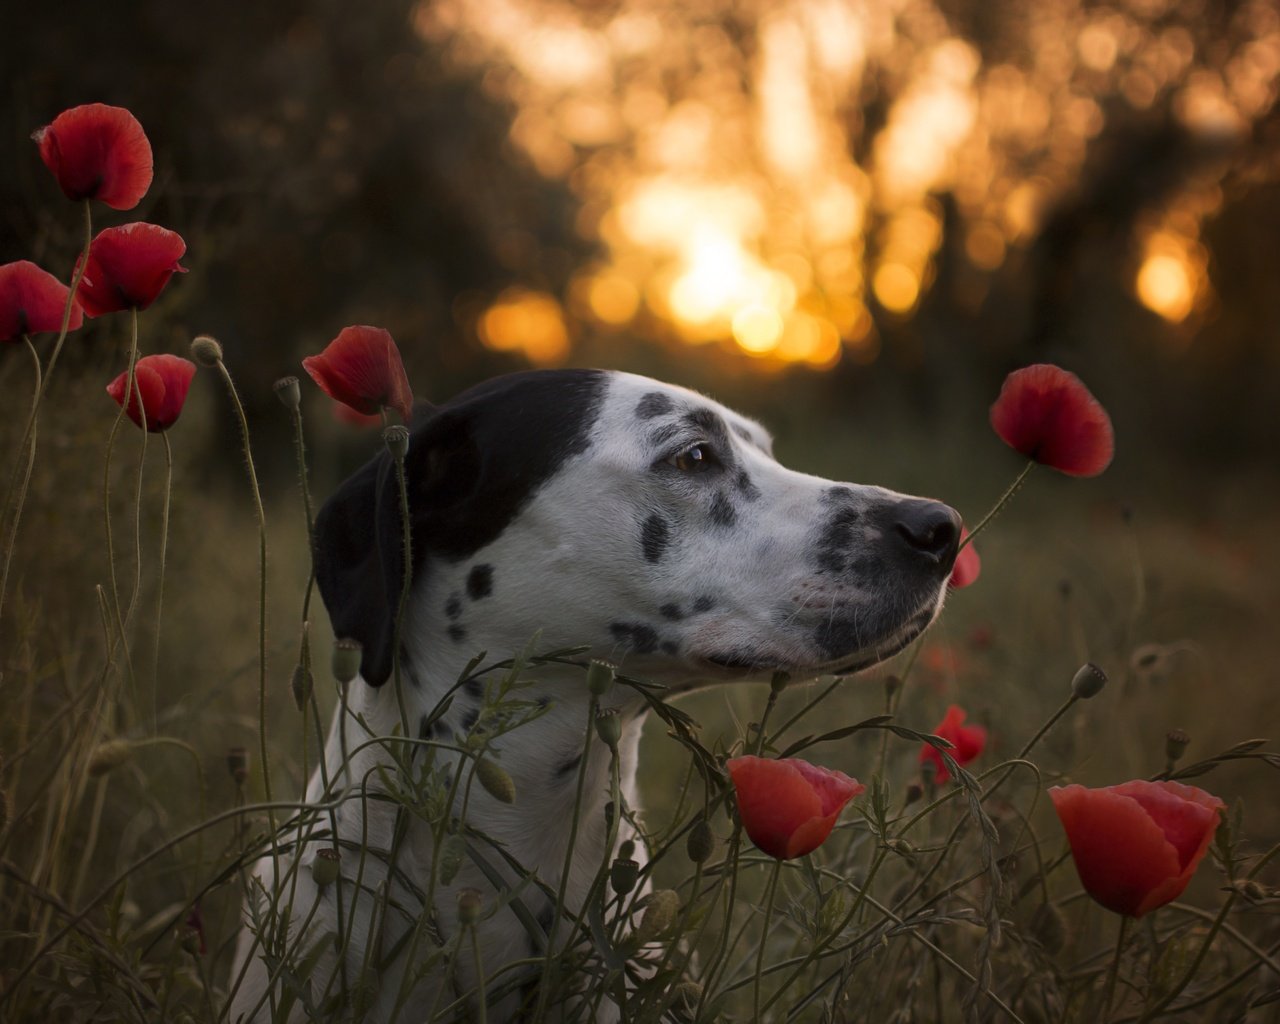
{"points": [[694, 459]]}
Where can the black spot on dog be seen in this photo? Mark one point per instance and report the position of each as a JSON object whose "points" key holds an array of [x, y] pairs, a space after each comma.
{"points": [[453, 607], [837, 494], [544, 702], [671, 612], [722, 511], [743, 433], [480, 582], [835, 543], [567, 768], [470, 718], [640, 638], [669, 647], [703, 604], [473, 688], [745, 487], [457, 633], [654, 535], [655, 403]]}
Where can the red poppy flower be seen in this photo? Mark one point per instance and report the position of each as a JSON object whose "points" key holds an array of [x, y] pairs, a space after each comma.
{"points": [[98, 152], [1137, 845], [362, 368], [968, 565], [345, 414], [789, 806], [128, 267], [163, 382], [1049, 416], [33, 300], [968, 741]]}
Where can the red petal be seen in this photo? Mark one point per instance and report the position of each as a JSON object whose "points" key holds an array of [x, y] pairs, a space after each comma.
{"points": [[33, 300], [1049, 416], [362, 368], [148, 384], [788, 807], [343, 413], [129, 267], [98, 152], [968, 565], [1136, 846], [968, 742]]}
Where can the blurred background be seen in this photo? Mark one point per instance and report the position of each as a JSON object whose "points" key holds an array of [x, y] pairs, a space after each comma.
{"points": [[849, 219]]}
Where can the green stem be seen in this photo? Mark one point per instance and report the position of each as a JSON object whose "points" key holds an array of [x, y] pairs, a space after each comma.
{"points": [[1114, 973], [28, 435], [999, 505], [262, 594], [770, 892], [481, 1002], [29, 442], [164, 553], [137, 496]]}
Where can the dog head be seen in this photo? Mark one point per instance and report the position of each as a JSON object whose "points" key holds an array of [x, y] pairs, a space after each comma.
{"points": [[638, 518]]}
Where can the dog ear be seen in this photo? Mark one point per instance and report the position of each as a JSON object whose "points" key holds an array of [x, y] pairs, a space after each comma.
{"points": [[359, 534]]}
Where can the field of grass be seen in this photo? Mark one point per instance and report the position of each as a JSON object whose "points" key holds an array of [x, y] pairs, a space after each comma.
{"points": [[937, 903]]}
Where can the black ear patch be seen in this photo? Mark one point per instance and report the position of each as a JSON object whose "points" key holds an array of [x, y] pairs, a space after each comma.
{"points": [[472, 465]]}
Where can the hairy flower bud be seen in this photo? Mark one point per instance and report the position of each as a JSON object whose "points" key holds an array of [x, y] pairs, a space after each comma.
{"points": [[914, 792], [700, 842], [206, 350], [346, 659], [685, 998], [325, 866], [495, 780], [288, 391], [599, 677], [661, 909], [301, 685], [452, 851], [1088, 681], [779, 682]]}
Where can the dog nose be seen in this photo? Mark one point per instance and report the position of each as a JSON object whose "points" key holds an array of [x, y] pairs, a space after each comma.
{"points": [[929, 527]]}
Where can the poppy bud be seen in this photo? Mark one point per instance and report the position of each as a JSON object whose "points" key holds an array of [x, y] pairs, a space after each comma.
{"points": [[1088, 681], [451, 854], [1049, 927], [288, 391], [1175, 745], [901, 847], [396, 438], [892, 684], [623, 875], [661, 909], [346, 659], [701, 841], [109, 755], [301, 685], [914, 792], [206, 350], [238, 764], [609, 728], [189, 940], [627, 848], [778, 682], [599, 677], [325, 866], [495, 780], [470, 903], [685, 997]]}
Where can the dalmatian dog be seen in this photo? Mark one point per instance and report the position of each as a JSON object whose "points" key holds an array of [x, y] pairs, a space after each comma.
{"points": [[592, 508]]}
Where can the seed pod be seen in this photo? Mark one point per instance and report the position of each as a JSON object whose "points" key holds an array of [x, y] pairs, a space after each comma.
{"points": [[470, 903], [346, 659], [700, 842], [109, 755], [599, 677], [206, 351], [1175, 745], [495, 780], [661, 909], [914, 792], [452, 851], [301, 685], [1089, 681], [779, 682], [287, 390], [326, 866], [623, 875], [609, 727], [396, 438], [238, 764]]}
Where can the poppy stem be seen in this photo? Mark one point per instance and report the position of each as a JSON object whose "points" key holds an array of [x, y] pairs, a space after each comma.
{"points": [[262, 592], [29, 442], [42, 385], [406, 581], [1115, 970], [999, 505], [164, 553], [769, 893], [137, 496]]}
